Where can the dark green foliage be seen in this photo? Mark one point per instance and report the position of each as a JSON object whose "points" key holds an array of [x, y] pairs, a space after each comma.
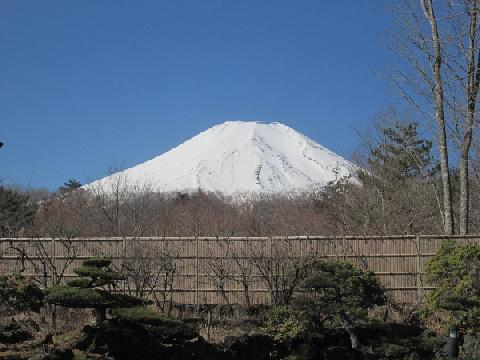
{"points": [[333, 293], [247, 347], [125, 340], [379, 341], [73, 297], [17, 210], [401, 346], [306, 351], [97, 273], [165, 329], [455, 273], [86, 291], [96, 269], [97, 262], [388, 350], [18, 295], [339, 293], [172, 331], [69, 186], [80, 282], [14, 332], [457, 303], [402, 153], [123, 300], [337, 288], [139, 315]]}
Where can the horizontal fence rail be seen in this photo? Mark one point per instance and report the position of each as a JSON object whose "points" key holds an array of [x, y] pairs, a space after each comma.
{"points": [[220, 270]]}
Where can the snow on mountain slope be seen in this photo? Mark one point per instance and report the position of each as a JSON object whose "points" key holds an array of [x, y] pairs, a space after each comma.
{"points": [[240, 157]]}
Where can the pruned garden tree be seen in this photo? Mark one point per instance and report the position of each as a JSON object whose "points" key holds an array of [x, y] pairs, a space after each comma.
{"points": [[167, 330], [132, 331], [338, 292], [88, 290]]}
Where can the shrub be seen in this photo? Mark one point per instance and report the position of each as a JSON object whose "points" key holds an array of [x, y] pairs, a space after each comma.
{"points": [[139, 315], [455, 272], [80, 282], [165, 329], [98, 273], [18, 295], [97, 262], [411, 348], [286, 325]]}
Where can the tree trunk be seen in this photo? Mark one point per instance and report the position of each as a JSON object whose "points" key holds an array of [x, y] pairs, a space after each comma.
{"points": [[464, 188], [246, 294], [100, 315], [52, 312], [440, 119], [473, 77], [348, 326]]}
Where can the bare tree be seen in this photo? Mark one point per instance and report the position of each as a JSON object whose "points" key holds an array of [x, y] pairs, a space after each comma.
{"points": [[38, 255], [168, 265], [439, 41], [244, 267], [277, 267], [219, 268], [151, 267]]}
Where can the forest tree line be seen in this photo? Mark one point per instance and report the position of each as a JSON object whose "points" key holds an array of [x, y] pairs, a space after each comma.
{"points": [[395, 188]]}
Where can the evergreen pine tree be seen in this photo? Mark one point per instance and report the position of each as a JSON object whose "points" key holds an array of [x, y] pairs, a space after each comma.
{"points": [[338, 292], [69, 186], [402, 154], [88, 290]]}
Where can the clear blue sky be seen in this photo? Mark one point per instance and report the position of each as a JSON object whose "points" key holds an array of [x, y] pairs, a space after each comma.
{"points": [[85, 85]]}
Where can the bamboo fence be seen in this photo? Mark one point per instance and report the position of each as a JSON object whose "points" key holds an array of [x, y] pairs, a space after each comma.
{"points": [[200, 262]]}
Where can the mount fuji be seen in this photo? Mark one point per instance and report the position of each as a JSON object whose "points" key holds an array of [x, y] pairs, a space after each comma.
{"points": [[239, 157]]}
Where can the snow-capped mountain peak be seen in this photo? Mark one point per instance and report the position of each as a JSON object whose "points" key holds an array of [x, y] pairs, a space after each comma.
{"points": [[240, 157]]}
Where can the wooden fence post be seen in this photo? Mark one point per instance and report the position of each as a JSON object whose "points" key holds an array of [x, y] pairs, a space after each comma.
{"points": [[53, 260], [52, 307], [124, 258], [418, 270], [196, 271]]}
